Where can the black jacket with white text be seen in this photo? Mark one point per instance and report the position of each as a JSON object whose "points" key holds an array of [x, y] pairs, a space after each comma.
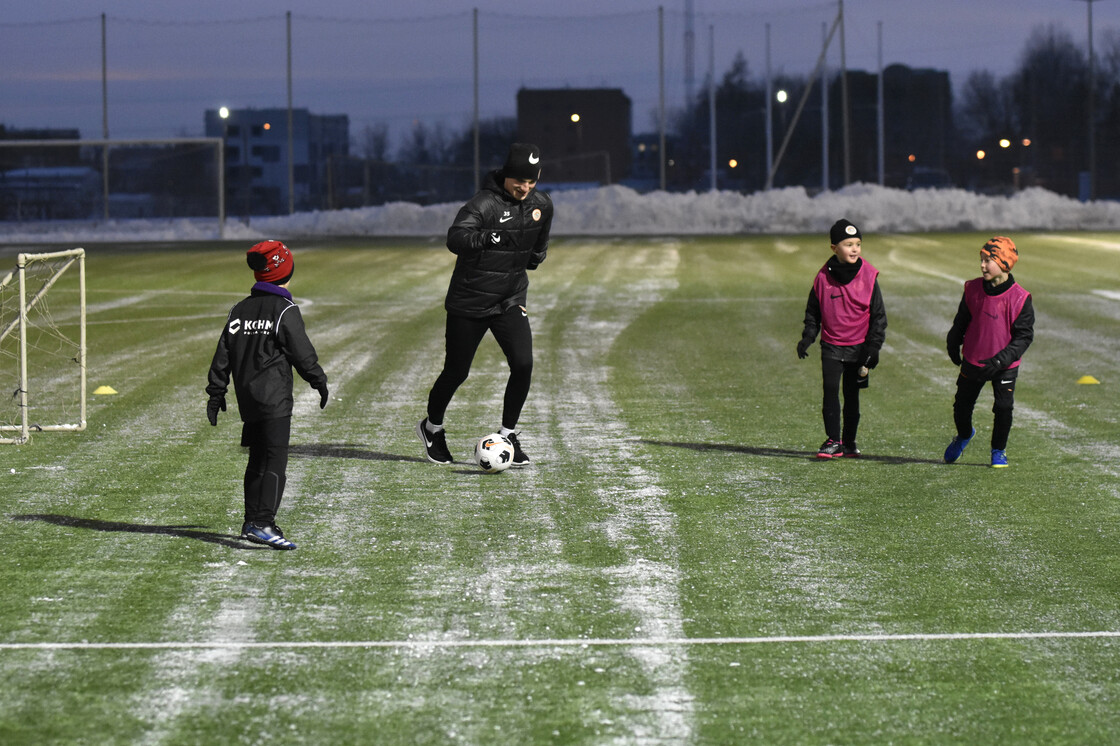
{"points": [[264, 338]]}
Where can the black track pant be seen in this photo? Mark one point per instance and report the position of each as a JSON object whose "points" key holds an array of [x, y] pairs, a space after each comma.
{"points": [[968, 391], [266, 471], [512, 332], [836, 373]]}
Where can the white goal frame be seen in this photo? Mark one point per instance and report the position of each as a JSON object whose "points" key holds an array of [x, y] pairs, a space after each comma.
{"points": [[19, 325]]}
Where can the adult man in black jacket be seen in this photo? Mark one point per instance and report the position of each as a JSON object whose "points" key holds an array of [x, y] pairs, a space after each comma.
{"points": [[499, 234]]}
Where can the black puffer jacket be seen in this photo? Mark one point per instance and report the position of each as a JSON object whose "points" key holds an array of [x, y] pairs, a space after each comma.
{"points": [[497, 238], [263, 339]]}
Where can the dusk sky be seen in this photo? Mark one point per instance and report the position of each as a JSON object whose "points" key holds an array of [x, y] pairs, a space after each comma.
{"points": [[396, 63]]}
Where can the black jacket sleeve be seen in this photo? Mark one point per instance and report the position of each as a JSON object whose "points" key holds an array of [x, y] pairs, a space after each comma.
{"points": [[467, 235], [877, 328], [291, 336], [812, 323], [540, 248], [955, 338], [1022, 334], [218, 378]]}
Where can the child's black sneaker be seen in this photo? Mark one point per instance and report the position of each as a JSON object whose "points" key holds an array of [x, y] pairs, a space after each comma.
{"points": [[519, 457], [830, 449], [435, 444], [267, 534], [851, 451]]}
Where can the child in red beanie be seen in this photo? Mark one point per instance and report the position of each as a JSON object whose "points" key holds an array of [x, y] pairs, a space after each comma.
{"points": [[993, 327], [264, 338]]}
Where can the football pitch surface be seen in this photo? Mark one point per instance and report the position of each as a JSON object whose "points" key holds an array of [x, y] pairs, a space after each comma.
{"points": [[675, 566]]}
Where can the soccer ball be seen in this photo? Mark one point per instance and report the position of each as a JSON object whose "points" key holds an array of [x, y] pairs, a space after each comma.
{"points": [[494, 453]]}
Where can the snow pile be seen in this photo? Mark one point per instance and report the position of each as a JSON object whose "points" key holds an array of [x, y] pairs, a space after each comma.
{"points": [[620, 211]]}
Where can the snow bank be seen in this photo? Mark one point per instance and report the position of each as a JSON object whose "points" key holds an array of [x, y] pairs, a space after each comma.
{"points": [[619, 211]]}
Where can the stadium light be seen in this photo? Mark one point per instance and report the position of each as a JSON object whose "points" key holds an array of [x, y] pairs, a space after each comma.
{"points": [[1004, 143], [981, 155], [782, 96]]}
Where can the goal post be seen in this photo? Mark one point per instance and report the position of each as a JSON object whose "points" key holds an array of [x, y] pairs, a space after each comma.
{"points": [[43, 345]]}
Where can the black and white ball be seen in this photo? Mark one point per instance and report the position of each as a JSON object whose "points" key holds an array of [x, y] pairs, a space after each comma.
{"points": [[493, 453]]}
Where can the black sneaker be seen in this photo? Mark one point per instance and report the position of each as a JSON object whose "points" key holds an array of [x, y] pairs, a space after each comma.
{"points": [[851, 451], [519, 457], [435, 444], [830, 449], [267, 534]]}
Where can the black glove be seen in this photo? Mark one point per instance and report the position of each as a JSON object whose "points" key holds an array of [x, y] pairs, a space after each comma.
{"points": [[212, 407], [323, 395], [803, 348], [870, 358], [991, 368], [955, 353]]}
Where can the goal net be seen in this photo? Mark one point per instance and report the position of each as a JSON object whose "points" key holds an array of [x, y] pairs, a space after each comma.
{"points": [[43, 345]]}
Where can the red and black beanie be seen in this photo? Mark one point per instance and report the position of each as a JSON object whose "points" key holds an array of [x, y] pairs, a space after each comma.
{"points": [[271, 261]]}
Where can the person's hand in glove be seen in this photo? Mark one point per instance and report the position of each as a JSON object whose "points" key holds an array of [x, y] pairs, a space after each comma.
{"points": [[991, 368], [216, 403], [323, 396], [870, 358], [955, 353], [803, 348]]}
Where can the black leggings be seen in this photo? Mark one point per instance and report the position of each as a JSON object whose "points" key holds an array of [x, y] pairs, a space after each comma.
{"points": [[969, 386], [512, 332], [833, 372], [266, 472]]}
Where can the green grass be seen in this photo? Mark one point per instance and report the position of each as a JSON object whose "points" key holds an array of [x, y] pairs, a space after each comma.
{"points": [[675, 567]]}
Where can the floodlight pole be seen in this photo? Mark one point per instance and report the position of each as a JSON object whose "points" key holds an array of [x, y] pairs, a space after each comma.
{"points": [[768, 112], [1092, 108], [661, 91], [104, 120], [477, 131], [844, 97], [291, 136], [879, 114], [712, 101]]}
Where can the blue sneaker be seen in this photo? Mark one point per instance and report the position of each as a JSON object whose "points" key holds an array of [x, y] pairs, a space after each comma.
{"points": [[269, 535], [956, 448], [999, 459]]}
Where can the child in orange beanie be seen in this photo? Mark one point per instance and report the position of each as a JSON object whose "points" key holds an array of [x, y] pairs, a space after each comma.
{"points": [[993, 327]]}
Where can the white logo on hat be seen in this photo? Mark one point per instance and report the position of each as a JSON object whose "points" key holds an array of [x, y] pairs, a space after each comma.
{"points": [[851, 230], [534, 159]]}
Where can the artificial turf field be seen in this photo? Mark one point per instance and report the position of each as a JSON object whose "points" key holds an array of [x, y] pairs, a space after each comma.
{"points": [[675, 566]]}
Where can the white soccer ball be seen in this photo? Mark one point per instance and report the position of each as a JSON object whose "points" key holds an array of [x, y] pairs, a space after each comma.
{"points": [[494, 453]]}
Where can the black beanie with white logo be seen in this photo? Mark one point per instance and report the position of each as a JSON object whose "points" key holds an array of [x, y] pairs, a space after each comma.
{"points": [[523, 162], [841, 229]]}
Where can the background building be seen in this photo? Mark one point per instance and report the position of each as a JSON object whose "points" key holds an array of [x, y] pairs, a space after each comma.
{"points": [[583, 133], [256, 157]]}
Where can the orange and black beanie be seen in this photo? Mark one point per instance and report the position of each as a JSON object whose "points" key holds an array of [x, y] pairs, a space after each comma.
{"points": [[1002, 249], [271, 261]]}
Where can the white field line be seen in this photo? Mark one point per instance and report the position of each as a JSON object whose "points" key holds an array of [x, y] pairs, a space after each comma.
{"points": [[184, 685], [904, 258], [1091, 243], [649, 642]]}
